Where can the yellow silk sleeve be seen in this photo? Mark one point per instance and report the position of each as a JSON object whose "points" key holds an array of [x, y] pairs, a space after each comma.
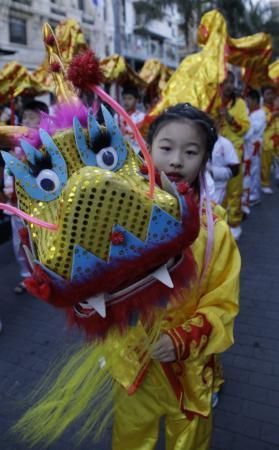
{"points": [[209, 330], [219, 300]]}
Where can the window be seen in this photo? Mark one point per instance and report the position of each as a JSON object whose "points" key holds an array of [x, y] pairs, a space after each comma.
{"points": [[24, 2], [18, 32], [81, 4]]}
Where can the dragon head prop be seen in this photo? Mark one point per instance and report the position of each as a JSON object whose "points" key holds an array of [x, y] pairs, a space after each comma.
{"points": [[98, 244]]}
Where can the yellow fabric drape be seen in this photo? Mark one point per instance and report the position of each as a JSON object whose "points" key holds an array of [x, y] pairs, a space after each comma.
{"points": [[155, 74], [16, 80], [199, 76], [116, 69]]}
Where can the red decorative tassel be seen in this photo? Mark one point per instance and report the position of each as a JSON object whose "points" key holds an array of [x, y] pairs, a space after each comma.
{"points": [[84, 70], [55, 67], [49, 40]]}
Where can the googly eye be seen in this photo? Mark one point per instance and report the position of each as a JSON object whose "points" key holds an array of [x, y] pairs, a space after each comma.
{"points": [[107, 158], [48, 181]]}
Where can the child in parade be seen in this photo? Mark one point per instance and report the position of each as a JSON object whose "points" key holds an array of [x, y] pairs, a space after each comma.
{"points": [[176, 373], [224, 165], [234, 123], [253, 150], [270, 142], [130, 97], [30, 119], [181, 376]]}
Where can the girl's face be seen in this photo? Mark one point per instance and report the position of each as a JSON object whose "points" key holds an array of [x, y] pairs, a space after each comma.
{"points": [[179, 150]]}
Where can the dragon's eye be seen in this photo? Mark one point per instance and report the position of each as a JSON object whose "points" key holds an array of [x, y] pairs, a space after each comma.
{"points": [[107, 158], [48, 181]]}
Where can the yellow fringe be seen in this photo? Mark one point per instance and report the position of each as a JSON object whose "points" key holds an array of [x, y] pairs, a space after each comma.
{"points": [[84, 388]]}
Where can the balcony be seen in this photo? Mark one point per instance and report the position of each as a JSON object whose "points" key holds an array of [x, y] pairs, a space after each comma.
{"points": [[142, 47]]}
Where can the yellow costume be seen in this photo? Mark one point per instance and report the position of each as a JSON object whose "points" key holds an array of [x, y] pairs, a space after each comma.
{"points": [[270, 145], [213, 301], [235, 133]]}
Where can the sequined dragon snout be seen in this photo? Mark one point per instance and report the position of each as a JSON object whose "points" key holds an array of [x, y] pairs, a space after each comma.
{"points": [[112, 241]]}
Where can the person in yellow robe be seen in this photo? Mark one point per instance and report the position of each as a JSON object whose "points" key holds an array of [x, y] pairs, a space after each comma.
{"points": [[166, 367], [271, 138], [180, 378], [234, 123]]}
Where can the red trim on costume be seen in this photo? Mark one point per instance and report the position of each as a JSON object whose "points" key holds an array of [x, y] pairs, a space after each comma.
{"points": [[247, 167], [132, 389], [182, 337], [257, 147]]}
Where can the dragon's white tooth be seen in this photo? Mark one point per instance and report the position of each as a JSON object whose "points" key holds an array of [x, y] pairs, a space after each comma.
{"points": [[29, 256], [162, 274], [98, 303], [167, 184]]}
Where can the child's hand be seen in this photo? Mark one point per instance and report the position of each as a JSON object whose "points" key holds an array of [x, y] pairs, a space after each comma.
{"points": [[164, 349]]}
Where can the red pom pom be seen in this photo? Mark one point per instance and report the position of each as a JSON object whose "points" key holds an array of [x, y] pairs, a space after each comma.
{"points": [[117, 238], [50, 40], [84, 70], [55, 67]]}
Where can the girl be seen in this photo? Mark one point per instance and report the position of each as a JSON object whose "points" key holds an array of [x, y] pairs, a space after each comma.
{"points": [[181, 375], [175, 374]]}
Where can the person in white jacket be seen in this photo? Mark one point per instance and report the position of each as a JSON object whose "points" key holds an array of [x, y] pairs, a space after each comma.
{"points": [[252, 152], [224, 165]]}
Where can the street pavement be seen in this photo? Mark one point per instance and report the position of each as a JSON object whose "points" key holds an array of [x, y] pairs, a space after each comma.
{"points": [[247, 417]]}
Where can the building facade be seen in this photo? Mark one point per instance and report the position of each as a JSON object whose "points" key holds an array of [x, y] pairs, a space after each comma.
{"points": [[160, 39], [109, 26], [21, 23]]}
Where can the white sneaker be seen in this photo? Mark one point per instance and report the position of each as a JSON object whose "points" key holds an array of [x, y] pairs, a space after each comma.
{"points": [[245, 210], [267, 190], [255, 201], [236, 232]]}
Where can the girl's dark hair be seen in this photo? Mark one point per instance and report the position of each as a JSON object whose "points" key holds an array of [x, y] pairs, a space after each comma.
{"points": [[185, 111]]}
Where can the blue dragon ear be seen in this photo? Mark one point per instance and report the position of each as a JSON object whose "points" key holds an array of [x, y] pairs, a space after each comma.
{"points": [[31, 153], [28, 182], [117, 140], [93, 126], [58, 163], [88, 157], [18, 168]]}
